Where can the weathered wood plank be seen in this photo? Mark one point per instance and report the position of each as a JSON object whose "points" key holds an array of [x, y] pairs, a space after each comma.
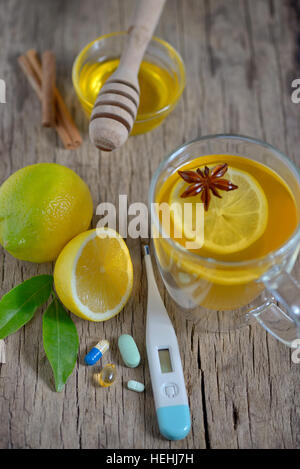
{"points": [[239, 57]]}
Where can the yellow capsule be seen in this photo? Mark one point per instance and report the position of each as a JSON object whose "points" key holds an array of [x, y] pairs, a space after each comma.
{"points": [[107, 375]]}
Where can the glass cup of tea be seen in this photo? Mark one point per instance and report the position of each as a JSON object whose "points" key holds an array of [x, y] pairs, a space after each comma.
{"points": [[243, 265]]}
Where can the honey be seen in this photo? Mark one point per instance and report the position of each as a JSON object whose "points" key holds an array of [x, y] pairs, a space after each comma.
{"points": [[159, 91]]}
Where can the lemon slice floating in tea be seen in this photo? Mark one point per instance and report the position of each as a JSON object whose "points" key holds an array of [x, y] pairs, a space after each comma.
{"points": [[231, 223], [93, 274]]}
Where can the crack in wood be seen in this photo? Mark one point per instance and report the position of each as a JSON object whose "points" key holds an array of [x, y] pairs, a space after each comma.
{"points": [[204, 410]]}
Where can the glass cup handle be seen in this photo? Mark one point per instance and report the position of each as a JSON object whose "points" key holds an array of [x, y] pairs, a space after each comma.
{"points": [[280, 316]]}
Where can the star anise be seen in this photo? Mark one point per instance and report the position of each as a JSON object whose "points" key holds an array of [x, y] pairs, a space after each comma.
{"points": [[205, 181]]}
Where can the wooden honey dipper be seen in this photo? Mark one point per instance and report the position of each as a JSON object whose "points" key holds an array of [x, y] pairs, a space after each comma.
{"points": [[117, 103]]}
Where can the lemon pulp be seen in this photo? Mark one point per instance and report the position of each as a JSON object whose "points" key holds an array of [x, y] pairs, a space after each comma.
{"points": [[101, 274], [93, 275], [231, 223]]}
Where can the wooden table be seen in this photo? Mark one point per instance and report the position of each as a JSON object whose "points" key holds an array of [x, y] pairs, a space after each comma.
{"points": [[243, 386]]}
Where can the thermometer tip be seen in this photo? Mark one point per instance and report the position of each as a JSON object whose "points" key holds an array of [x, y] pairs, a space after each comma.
{"points": [[146, 250]]}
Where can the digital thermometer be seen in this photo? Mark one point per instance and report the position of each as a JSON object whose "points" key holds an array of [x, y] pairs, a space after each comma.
{"points": [[171, 402]]}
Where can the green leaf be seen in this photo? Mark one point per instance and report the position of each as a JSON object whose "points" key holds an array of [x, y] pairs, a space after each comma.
{"points": [[18, 306], [60, 342]]}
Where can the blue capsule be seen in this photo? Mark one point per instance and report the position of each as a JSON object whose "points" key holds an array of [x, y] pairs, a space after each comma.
{"points": [[96, 352]]}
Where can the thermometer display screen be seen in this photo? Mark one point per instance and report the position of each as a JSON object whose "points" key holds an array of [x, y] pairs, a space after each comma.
{"points": [[165, 360]]}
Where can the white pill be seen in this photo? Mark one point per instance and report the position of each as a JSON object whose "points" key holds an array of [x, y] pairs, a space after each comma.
{"points": [[135, 386]]}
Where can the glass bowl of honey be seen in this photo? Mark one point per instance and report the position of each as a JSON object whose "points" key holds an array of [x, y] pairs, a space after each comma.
{"points": [[161, 77]]}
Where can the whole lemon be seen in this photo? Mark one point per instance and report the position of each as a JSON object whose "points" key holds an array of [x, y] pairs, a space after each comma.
{"points": [[42, 207]]}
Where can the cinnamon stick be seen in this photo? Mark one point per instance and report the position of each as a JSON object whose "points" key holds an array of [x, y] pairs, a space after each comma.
{"points": [[61, 108], [37, 87], [64, 123], [31, 75], [48, 87]]}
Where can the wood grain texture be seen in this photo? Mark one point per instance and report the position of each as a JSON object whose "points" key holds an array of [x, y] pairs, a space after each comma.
{"points": [[243, 386]]}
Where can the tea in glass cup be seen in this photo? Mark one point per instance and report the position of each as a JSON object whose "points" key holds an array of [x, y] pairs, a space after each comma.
{"points": [[250, 195]]}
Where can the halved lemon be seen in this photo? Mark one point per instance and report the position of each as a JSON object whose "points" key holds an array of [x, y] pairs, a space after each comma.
{"points": [[231, 223], [93, 274]]}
